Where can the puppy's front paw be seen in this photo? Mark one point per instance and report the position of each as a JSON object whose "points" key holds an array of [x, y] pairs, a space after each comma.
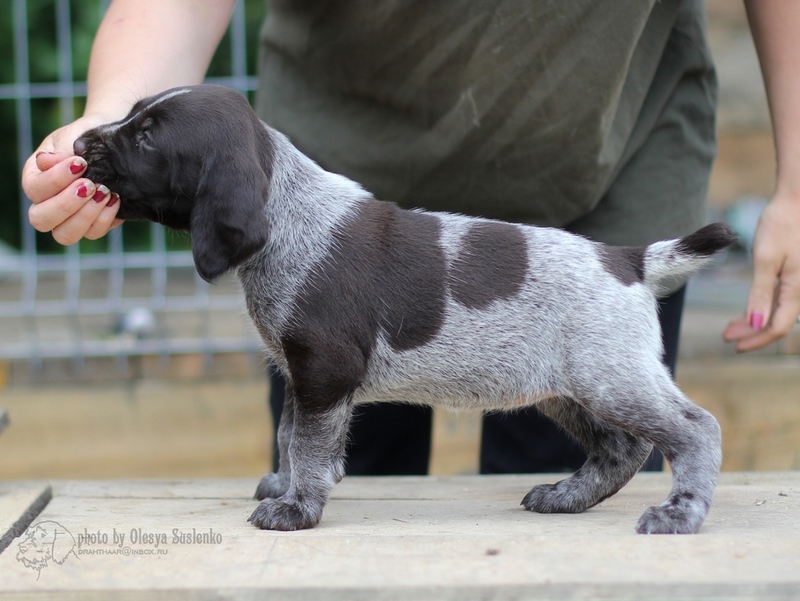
{"points": [[670, 519], [272, 486], [278, 514], [554, 498]]}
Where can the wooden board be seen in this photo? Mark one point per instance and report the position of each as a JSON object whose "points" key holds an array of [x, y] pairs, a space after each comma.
{"points": [[20, 504], [395, 538]]}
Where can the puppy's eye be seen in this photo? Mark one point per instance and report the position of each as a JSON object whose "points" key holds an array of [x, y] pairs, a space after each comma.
{"points": [[144, 142], [143, 138]]}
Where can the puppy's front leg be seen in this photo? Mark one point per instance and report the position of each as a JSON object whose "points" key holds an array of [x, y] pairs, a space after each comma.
{"points": [[316, 456], [275, 484]]}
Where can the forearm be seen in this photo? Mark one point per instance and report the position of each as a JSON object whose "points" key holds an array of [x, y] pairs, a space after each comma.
{"points": [[773, 303], [146, 46], [775, 25]]}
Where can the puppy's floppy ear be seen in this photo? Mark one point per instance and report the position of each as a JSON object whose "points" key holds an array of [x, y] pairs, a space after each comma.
{"points": [[228, 224]]}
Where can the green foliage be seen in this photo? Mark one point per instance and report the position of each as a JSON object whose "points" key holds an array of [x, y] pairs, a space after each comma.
{"points": [[47, 114]]}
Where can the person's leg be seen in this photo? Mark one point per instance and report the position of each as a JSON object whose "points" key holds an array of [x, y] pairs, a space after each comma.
{"points": [[670, 314], [276, 399], [526, 441], [389, 439], [385, 439]]}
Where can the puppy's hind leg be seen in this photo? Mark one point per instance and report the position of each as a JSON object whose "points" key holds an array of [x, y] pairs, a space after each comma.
{"points": [[613, 458], [275, 484], [688, 436], [691, 442]]}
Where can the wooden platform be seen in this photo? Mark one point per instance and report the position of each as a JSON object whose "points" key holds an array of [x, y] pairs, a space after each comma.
{"points": [[393, 538]]}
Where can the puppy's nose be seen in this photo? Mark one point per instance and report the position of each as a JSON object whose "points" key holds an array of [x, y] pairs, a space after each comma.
{"points": [[79, 146]]}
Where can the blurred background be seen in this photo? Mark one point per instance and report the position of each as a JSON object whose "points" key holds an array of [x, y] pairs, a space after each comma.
{"points": [[116, 360]]}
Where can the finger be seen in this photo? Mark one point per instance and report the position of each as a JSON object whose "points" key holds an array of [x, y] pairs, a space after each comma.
{"points": [[757, 315], [40, 185], [45, 216], [767, 265], [784, 318], [76, 226], [743, 334], [106, 220], [737, 329], [46, 160], [762, 295]]}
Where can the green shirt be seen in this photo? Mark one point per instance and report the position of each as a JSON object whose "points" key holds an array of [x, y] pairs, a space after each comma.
{"points": [[593, 115]]}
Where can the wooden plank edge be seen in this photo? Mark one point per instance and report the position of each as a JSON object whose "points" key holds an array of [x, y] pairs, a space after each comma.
{"points": [[26, 518], [513, 592]]}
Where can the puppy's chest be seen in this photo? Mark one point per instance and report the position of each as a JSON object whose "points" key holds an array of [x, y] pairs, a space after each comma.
{"points": [[276, 278], [270, 294]]}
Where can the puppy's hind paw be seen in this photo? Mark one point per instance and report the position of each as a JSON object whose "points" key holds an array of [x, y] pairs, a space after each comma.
{"points": [[669, 519], [554, 498], [277, 514], [272, 486]]}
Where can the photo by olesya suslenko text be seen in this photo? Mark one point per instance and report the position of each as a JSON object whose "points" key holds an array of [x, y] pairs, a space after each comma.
{"points": [[140, 536]]}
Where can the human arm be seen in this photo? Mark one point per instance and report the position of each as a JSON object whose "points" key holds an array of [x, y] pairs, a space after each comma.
{"points": [[141, 47], [773, 304]]}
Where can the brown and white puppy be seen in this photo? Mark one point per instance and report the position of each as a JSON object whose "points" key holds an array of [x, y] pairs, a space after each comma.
{"points": [[358, 300]]}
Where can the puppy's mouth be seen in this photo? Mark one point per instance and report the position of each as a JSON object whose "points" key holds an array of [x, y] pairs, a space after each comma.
{"points": [[100, 174], [99, 170]]}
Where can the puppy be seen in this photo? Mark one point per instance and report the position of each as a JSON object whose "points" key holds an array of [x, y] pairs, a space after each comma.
{"points": [[359, 301]]}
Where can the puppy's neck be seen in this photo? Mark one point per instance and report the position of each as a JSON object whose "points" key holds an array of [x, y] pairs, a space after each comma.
{"points": [[306, 202], [306, 206]]}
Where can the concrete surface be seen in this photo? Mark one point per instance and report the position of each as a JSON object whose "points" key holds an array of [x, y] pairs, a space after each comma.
{"points": [[402, 538]]}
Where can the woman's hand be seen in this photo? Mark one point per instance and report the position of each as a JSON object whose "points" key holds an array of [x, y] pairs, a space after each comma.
{"points": [[64, 203], [774, 301], [142, 47]]}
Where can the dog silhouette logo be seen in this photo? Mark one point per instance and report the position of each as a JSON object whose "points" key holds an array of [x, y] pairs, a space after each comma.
{"points": [[45, 542]]}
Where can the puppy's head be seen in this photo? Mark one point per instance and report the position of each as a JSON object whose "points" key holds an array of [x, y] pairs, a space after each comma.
{"points": [[196, 159]]}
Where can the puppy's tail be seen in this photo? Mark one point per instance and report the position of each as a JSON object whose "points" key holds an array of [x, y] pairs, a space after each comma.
{"points": [[681, 257]]}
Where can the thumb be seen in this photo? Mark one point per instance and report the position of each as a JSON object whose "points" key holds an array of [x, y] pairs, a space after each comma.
{"points": [[47, 159]]}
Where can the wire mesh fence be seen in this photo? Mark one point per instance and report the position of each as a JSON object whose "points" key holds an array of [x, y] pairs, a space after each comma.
{"points": [[112, 299]]}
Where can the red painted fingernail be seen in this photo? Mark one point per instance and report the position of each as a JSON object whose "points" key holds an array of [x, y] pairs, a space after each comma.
{"points": [[114, 199], [77, 166], [83, 190], [756, 320], [100, 194]]}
